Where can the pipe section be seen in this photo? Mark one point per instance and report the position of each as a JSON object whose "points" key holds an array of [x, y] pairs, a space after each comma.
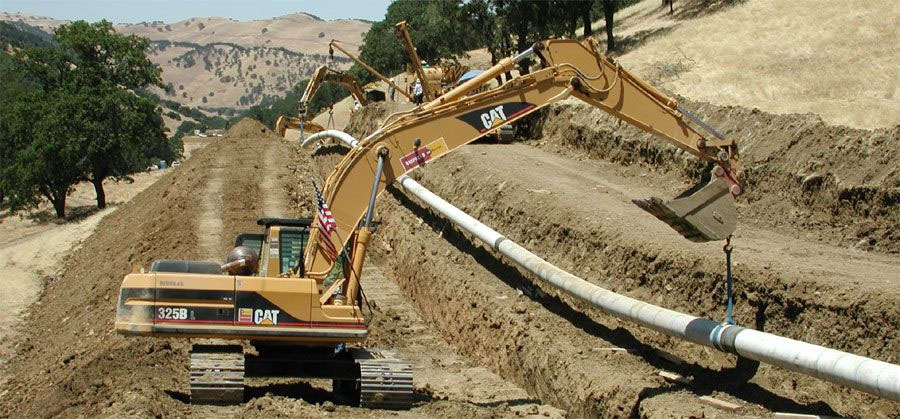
{"points": [[864, 374], [331, 133]]}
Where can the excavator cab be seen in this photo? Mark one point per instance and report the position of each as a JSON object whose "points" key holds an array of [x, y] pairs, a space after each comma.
{"points": [[296, 325], [281, 247]]}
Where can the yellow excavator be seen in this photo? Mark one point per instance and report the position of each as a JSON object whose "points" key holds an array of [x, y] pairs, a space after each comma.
{"points": [[435, 80], [301, 306], [322, 75], [440, 79]]}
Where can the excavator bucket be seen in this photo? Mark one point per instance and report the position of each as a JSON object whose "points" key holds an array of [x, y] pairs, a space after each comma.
{"points": [[708, 214]]}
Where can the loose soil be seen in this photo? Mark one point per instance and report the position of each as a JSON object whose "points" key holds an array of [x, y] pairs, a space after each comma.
{"points": [[35, 244], [68, 361], [573, 208], [832, 184]]}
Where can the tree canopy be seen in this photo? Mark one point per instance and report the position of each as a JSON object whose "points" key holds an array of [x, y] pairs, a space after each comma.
{"points": [[439, 29], [72, 115]]}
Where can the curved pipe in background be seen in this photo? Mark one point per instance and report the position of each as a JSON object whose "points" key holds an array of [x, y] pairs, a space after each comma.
{"points": [[342, 136]]}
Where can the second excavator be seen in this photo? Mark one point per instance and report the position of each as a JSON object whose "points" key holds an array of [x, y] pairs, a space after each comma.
{"points": [[322, 75], [301, 305]]}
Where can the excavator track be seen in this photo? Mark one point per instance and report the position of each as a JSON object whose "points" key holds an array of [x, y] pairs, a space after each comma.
{"points": [[385, 381], [217, 374]]}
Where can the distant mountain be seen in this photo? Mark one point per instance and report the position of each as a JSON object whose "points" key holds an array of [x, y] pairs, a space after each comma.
{"points": [[299, 32], [213, 62]]}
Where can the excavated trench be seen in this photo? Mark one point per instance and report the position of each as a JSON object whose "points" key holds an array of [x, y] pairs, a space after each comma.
{"points": [[568, 203], [821, 182], [561, 351]]}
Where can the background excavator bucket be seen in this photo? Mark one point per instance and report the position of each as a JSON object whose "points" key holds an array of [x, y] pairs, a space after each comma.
{"points": [[708, 214]]}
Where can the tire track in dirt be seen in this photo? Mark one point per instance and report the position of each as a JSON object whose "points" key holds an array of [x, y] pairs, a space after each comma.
{"points": [[209, 223], [271, 187]]}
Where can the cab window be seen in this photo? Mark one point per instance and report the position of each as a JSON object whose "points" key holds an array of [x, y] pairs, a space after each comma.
{"points": [[292, 244]]}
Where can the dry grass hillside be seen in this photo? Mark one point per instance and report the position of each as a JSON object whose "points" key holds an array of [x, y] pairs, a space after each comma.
{"points": [[296, 32], [216, 62], [229, 75], [835, 59]]}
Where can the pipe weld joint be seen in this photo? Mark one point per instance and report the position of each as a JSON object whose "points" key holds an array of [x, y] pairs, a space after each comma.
{"points": [[497, 243], [723, 336]]}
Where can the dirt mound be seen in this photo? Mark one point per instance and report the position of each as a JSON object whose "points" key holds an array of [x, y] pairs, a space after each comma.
{"points": [[366, 120], [836, 184], [69, 360], [249, 128]]}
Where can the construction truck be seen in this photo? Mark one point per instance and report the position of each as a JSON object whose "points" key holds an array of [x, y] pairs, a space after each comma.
{"points": [[293, 292], [322, 75]]}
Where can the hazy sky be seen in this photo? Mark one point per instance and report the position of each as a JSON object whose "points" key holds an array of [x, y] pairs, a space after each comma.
{"points": [[132, 11]]}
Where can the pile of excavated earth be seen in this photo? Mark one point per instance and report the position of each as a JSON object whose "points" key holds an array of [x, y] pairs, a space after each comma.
{"points": [[67, 359]]}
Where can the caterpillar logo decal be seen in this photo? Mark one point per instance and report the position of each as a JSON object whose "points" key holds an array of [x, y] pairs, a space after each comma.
{"points": [[258, 316], [487, 118]]}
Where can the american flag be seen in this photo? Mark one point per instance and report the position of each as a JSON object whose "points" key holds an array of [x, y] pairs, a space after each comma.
{"points": [[326, 224]]}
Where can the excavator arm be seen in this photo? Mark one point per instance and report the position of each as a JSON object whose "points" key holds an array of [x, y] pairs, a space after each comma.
{"points": [[403, 33], [336, 44], [322, 75], [570, 68], [326, 75]]}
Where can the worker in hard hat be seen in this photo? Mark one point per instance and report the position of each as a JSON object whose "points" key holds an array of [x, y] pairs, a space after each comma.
{"points": [[418, 93], [391, 89]]}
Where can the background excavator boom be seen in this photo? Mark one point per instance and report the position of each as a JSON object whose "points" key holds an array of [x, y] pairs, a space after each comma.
{"points": [[322, 75], [327, 75]]}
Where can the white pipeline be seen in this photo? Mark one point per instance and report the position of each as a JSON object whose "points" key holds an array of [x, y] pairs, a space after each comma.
{"points": [[331, 133], [865, 374]]}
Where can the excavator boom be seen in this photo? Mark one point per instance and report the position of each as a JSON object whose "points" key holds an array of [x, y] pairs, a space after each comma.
{"points": [[570, 68], [327, 75], [322, 75]]}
